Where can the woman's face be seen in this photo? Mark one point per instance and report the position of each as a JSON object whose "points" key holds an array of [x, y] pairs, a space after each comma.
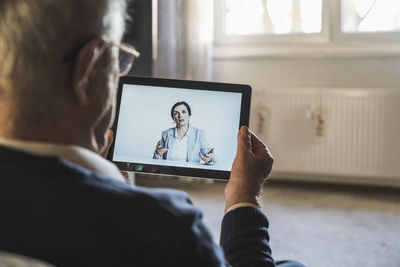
{"points": [[181, 116]]}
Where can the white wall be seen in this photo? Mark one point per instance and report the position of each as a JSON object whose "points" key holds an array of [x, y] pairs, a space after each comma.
{"points": [[267, 72]]}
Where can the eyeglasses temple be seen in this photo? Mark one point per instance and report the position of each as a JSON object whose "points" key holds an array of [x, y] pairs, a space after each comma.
{"points": [[130, 50]]}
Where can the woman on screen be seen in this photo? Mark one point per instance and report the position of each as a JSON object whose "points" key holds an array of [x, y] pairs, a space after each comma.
{"points": [[184, 142]]}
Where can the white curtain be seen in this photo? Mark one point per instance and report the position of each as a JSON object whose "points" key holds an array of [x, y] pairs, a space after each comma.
{"points": [[185, 35]]}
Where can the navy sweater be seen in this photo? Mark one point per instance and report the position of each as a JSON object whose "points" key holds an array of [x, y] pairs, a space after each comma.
{"points": [[56, 211]]}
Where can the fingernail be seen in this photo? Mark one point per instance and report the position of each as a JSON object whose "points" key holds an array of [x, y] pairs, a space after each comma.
{"points": [[110, 133], [125, 174]]}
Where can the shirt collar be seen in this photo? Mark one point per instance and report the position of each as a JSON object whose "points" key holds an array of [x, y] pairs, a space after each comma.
{"points": [[186, 134], [75, 154]]}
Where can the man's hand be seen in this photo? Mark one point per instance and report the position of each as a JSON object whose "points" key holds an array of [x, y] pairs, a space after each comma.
{"points": [[207, 158], [109, 139], [159, 149], [252, 165]]}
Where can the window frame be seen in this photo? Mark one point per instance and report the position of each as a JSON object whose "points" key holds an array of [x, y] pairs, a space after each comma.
{"points": [[331, 42], [339, 36]]}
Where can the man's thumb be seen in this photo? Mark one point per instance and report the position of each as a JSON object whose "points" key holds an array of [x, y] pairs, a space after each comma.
{"points": [[109, 139]]}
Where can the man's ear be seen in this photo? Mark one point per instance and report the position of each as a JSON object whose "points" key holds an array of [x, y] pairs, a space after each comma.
{"points": [[84, 65]]}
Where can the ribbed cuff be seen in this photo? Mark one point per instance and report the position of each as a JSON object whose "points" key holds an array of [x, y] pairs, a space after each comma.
{"points": [[241, 219], [241, 204]]}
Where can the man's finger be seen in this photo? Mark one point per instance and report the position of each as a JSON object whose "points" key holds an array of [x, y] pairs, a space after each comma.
{"points": [[258, 146], [244, 140], [126, 175], [110, 136]]}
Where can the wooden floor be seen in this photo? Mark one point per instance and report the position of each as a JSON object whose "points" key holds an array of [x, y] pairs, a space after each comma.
{"points": [[317, 224]]}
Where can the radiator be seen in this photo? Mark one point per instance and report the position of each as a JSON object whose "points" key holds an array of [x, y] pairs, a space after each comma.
{"points": [[344, 135]]}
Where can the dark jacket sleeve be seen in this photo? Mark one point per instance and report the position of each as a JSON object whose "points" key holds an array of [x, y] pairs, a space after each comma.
{"points": [[245, 238]]}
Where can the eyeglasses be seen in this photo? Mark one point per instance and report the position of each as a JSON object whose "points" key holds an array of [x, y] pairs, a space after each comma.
{"points": [[126, 56]]}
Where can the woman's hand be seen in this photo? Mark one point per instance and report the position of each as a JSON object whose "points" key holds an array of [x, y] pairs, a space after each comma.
{"points": [[207, 158], [159, 149]]}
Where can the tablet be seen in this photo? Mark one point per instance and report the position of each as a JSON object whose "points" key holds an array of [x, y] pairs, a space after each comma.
{"points": [[178, 127]]}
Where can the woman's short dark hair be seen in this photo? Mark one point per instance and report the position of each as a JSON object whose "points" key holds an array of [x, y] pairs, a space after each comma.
{"points": [[178, 104]]}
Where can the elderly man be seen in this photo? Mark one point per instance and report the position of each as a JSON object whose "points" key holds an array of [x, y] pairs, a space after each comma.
{"points": [[63, 203]]}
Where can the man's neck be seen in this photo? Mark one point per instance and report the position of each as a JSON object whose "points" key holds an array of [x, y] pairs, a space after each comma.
{"points": [[58, 124], [42, 134], [78, 155]]}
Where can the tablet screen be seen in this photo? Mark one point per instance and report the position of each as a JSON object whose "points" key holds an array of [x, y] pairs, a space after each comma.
{"points": [[178, 127]]}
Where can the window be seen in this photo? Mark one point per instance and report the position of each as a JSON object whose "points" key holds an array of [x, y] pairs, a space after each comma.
{"points": [[245, 17], [370, 16], [330, 26]]}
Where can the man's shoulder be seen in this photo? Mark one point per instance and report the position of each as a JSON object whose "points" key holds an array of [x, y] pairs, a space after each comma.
{"points": [[170, 202], [98, 211], [74, 190], [59, 182], [160, 197]]}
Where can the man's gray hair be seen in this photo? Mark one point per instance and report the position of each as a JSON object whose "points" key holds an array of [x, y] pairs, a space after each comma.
{"points": [[35, 35]]}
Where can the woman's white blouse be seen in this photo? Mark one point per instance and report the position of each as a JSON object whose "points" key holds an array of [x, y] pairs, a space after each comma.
{"points": [[178, 151]]}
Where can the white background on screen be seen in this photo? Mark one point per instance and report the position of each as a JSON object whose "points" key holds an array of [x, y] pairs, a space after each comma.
{"points": [[145, 113]]}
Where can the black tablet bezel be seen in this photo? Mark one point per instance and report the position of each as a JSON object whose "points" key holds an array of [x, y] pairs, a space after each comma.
{"points": [[245, 90]]}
